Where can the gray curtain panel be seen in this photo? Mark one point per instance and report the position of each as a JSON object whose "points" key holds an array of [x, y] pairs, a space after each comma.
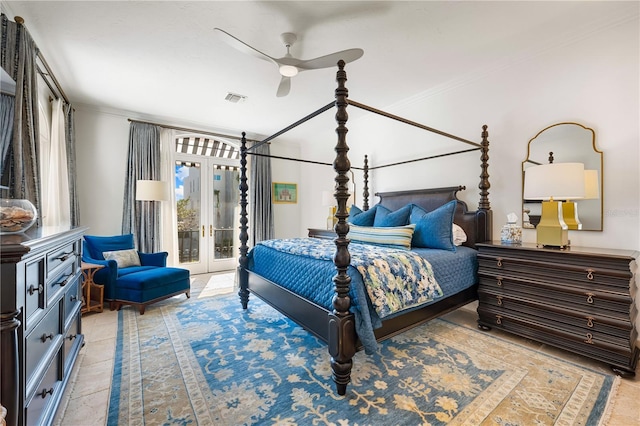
{"points": [[70, 135], [260, 202], [6, 129], [142, 218], [18, 58]]}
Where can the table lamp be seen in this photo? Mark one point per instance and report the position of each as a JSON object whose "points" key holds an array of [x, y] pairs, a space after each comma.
{"points": [[329, 200], [549, 183]]}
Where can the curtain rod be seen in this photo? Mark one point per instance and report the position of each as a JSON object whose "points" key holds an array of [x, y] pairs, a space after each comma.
{"points": [[20, 21], [185, 129]]}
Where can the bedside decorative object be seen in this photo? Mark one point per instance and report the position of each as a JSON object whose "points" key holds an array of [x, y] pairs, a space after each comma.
{"points": [[579, 299], [328, 200], [16, 215], [511, 233]]}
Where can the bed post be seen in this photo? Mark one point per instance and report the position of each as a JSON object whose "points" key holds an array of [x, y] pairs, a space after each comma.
{"points": [[243, 274], [342, 334], [365, 191], [483, 204]]}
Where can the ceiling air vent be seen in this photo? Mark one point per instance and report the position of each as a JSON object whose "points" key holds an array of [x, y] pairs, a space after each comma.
{"points": [[235, 98]]}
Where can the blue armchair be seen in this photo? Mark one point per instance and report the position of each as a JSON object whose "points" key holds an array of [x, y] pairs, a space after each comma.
{"points": [[140, 282]]}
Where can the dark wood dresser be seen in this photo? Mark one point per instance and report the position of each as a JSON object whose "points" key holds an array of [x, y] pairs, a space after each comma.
{"points": [[579, 299], [40, 303]]}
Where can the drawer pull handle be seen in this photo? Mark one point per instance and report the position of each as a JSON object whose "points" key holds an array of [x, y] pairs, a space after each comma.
{"points": [[44, 393], [589, 339], [498, 319], [590, 298], [73, 298], [64, 256], [499, 281], [72, 336], [590, 274], [32, 289], [66, 280], [499, 300], [589, 322], [46, 336], [499, 262]]}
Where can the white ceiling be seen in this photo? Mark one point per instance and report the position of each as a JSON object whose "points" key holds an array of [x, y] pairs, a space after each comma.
{"points": [[161, 60]]}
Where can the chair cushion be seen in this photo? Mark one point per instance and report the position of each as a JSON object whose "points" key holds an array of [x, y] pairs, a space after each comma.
{"points": [[152, 278], [151, 284], [98, 245]]}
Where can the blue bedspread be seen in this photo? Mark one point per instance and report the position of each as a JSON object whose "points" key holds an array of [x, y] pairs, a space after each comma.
{"points": [[311, 278]]}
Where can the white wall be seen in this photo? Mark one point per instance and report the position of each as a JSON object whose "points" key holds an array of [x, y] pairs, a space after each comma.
{"points": [[593, 82]]}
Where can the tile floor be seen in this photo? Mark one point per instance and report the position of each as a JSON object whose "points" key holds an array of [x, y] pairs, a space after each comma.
{"points": [[86, 400]]}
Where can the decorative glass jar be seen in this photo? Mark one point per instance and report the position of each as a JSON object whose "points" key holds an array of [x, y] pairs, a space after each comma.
{"points": [[16, 215]]}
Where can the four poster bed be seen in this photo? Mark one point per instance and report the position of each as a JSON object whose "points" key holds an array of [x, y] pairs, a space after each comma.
{"points": [[333, 299]]}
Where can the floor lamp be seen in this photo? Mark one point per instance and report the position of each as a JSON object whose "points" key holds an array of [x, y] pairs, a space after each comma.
{"points": [[148, 192]]}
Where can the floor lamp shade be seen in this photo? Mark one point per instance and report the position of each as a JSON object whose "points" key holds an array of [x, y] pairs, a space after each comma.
{"points": [[152, 190], [549, 183]]}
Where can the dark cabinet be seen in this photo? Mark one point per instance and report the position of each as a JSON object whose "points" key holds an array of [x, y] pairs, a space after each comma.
{"points": [[40, 321], [578, 299]]}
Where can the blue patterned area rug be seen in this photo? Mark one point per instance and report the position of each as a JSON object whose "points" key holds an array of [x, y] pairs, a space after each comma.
{"points": [[207, 362]]}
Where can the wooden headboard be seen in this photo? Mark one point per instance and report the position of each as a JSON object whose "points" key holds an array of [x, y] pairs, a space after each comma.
{"points": [[476, 224]]}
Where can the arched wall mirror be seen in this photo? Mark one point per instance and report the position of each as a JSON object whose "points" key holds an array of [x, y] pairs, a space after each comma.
{"points": [[567, 143]]}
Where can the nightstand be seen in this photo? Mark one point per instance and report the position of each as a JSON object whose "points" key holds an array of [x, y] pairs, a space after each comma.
{"points": [[322, 233], [578, 299]]}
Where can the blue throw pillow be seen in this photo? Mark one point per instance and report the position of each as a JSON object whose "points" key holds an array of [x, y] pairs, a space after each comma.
{"points": [[434, 229], [362, 218], [385, 217]]}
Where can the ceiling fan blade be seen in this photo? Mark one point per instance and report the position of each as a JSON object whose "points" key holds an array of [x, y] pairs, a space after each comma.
{"points": [[331, 60], [284, 87], [242, 46]]}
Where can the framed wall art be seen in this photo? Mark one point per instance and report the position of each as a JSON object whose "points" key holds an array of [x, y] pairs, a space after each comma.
{"points": [[285, 193]]}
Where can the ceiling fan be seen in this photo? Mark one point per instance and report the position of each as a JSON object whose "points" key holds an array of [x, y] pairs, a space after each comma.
{"points": [[288, 65]]}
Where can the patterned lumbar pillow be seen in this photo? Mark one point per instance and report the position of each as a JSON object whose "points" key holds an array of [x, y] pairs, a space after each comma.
{"points": [[391, 236], [124, 258]]}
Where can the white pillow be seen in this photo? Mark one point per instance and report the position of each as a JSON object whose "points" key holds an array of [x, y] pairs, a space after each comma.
{"points": [[459, 236], [124, 258]]}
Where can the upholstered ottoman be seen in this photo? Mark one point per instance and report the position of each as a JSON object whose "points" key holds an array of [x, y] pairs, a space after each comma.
{"points": [[151, 285]]}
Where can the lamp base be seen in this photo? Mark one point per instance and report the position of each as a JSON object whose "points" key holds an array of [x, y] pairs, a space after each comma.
{"points": [[552, 231], [570, 215]]}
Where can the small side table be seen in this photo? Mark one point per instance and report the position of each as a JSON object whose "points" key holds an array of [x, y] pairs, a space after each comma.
{"points": [[329, 234], [92, 293]]}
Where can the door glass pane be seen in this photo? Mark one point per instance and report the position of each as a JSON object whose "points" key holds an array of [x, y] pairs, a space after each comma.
{"points": [[188, 200], [225, 200]]}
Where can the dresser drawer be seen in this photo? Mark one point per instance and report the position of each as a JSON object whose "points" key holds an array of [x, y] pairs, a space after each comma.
{"points": [[577, 275], [44, 395], [618, 305], [65, 277], [585, 343], [72, 300], [617, 332], [42, 340], [60, 255], [72, 340], [34, 291]]}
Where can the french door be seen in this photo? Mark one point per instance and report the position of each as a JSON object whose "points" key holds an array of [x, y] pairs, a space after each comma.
{"points": [[207, 198]]}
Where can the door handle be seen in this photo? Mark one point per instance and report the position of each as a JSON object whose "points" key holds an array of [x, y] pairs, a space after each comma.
{"points": [[202, 231], [211, 230]]}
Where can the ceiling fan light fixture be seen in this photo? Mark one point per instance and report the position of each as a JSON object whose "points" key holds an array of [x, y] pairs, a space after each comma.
{"points": [[288, 70]]}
